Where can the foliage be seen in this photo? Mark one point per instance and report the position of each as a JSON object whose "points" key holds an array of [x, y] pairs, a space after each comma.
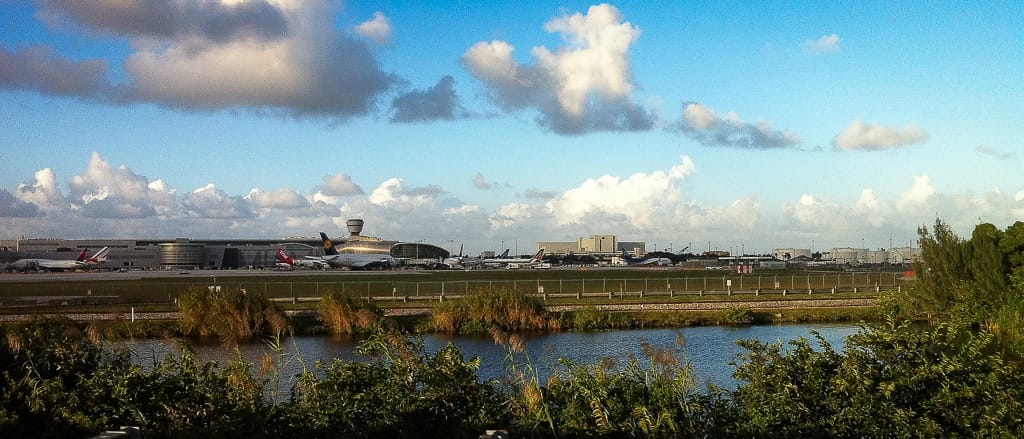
{"points": [[655, 397], [403, 392], [57, 382], [892, 381], [344, 314], [971, 281], [737, 316], [231, 313], [588, 318], [506, 310]]}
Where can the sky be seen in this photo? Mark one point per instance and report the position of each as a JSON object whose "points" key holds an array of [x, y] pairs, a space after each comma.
{"points": [[737, 126]]}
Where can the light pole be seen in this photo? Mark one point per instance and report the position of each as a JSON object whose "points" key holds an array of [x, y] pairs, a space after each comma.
{"points": [[517, 246]]}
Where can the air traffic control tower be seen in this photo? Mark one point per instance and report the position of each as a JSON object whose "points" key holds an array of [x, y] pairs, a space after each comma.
{"points": [[355, 226]]}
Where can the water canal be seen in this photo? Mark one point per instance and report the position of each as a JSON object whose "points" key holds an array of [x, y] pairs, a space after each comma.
{"points": [[710, 349]]}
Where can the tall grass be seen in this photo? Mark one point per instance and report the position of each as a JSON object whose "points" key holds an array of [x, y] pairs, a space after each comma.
{"points": [[232, 314], [506, 310], [343, 314]]}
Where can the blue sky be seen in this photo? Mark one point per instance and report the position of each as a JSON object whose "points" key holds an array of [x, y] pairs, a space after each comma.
{"points": [[773, 124]]}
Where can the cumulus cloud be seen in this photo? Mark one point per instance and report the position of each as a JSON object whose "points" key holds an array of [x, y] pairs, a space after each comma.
{"points": [[584, 86], [861, 136], [704, 125], [439, 102], [43, 192], [279, 199], [825, 44], [640, 198], [108, 192], [39, 69], [393, 193], [377, 30], [335, 188], [12, 207], [275, 57], [212, 203]]}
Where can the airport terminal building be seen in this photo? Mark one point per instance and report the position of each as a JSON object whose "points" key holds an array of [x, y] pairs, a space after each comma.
{"points": [[186, 253]]}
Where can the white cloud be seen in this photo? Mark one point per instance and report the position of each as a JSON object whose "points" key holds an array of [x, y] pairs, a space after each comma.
{"points": [[335, 187], [377, 30], [108, 192], [279, 199], [705, 125], [825, 44], [583, 86], [862, 136], [640, 198], [43, 192], [212, 203]]}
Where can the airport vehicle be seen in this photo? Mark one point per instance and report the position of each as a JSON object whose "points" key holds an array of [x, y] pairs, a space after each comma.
{"points": [[355, 261], [498, 262], [649, 262], [81, 262], [285, 261]]}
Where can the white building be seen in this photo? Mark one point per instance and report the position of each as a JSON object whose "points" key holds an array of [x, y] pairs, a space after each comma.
{"points": [[785, 254]]}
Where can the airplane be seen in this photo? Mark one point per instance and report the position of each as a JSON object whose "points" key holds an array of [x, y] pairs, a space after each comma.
{"points": [[505, 261], [649, 262], [352, 260], [61, 264], [286, 261], [452, 262]]}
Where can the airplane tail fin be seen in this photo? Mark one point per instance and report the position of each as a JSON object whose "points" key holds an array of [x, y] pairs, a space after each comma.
{"points": [[100, 256], [328, 245], [283, 257], [460, 249], [626, 257], [504, 254], [539, 256], [81, 256]]}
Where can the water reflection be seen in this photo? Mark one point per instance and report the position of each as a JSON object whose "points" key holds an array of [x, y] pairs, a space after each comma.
{"points": [[709, 349]]}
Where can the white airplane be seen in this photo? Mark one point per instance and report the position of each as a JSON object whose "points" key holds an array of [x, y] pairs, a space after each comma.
{"points": [[283, 260], [452, 262], [352, 260], [649, 262], [81, 262], [536, 259]]}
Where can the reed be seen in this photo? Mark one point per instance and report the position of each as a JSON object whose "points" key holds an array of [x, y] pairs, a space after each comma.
{"points": [[344, 314], [482, 311], [232, 314]]}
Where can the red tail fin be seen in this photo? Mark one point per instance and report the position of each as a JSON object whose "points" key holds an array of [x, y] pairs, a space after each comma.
{"points": [[283, 257], [81, 256]]}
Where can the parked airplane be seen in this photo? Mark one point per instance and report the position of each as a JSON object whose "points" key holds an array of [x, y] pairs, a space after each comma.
{"points": [[352, 260], [505, 261], [283, 260], [454, 261], [649, 262], [81, 262]]}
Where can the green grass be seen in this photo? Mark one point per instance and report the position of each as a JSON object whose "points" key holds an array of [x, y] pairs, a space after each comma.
{"points": [[428, 283]]}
